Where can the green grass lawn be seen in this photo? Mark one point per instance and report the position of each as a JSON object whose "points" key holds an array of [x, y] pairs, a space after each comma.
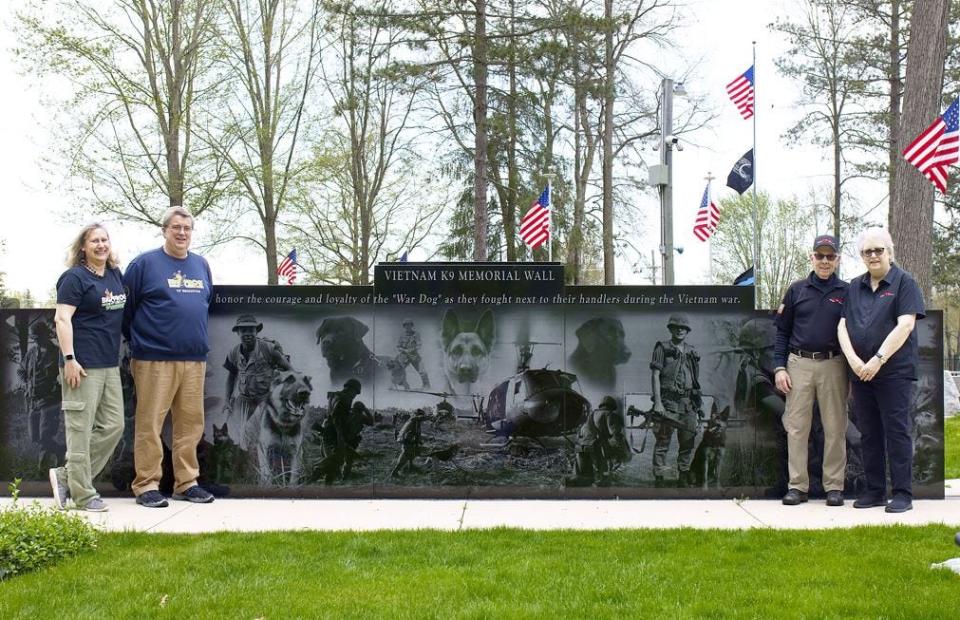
{"points": [[951, 429], [855, 573]]}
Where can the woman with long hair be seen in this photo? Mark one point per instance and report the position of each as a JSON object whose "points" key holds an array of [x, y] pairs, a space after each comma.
{"points": [[90, 301]]}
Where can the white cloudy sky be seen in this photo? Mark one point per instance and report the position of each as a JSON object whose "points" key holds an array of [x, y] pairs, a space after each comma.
{"points": [[718, 34]]}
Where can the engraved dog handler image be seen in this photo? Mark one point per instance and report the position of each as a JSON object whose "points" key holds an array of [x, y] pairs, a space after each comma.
{"points": [[510, 428]]}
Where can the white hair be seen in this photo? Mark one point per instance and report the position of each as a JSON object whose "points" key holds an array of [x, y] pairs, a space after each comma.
{"points": [[876, 233]]}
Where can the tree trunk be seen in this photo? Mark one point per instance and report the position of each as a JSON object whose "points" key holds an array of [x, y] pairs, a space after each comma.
{"points": [[911, 205], [609, 276], [510, 206], [480, 134]]}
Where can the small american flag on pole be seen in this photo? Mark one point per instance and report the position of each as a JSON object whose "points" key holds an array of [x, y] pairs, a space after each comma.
{"points": [[708, 217], [936, 148], [535, 225], [288, 268], [740, 91]]}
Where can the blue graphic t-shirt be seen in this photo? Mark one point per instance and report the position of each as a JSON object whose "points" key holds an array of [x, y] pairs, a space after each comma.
{"points": [[99, 304], [167, 302]]}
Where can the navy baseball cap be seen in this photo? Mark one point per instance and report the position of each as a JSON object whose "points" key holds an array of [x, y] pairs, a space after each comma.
{"points": [[826, 240]]}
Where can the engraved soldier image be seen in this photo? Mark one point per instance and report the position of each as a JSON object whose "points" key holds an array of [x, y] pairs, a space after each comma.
{"points": [[39, 375], [408, 346], [250, 367], [601, 445], [676, 398], [335, 432], [409, 439]]}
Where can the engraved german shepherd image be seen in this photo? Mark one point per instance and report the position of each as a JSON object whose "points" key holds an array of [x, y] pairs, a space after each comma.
{"points": [[466, 349], [276, 429]]}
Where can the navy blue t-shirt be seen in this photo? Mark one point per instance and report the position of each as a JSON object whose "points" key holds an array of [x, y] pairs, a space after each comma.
{"points": [[872, 315], [99, 304], [167, 302]]}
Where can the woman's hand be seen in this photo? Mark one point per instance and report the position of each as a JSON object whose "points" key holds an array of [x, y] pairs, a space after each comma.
{"points": [[73, 372]]}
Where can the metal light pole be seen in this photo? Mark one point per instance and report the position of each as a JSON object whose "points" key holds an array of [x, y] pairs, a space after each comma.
{"points": [[662, 175]]}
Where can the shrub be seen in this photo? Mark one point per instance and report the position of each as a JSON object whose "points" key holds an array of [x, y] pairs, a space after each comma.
{"points": [[32, 536]]}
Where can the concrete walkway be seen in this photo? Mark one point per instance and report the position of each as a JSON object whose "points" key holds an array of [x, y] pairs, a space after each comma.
{"points": [[254, 515]]}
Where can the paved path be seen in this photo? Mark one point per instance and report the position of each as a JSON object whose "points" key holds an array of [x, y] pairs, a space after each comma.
{"points": [[251, 515]]}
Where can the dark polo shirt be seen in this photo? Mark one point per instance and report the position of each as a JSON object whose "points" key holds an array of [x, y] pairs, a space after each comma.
{"points": [[872, 315], [809, 315]]}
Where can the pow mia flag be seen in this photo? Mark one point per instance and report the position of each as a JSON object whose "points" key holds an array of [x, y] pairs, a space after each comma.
{"points": [[741, 176]]}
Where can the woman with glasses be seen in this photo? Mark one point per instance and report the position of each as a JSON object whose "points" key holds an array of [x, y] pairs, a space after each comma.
{"points": [[878, 339], [810, 367]]}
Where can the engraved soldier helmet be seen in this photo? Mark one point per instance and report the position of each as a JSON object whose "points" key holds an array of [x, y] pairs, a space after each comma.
{"points": [[679, 320], [608, 403], [407, 321], [248, 320], [41, 330], [352, 384], [757, 334]]}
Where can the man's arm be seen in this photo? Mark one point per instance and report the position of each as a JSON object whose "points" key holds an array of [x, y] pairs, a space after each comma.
{"points": [[131, 286], [784, 325]]}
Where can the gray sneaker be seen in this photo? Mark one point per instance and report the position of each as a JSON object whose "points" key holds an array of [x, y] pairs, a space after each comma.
{"points": [[61, 492], [96, 505]]}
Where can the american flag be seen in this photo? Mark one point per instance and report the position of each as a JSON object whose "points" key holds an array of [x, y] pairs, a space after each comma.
{"points": [[535, 225], [288, 268], [936, 148], [741, 93], [708, 217]]}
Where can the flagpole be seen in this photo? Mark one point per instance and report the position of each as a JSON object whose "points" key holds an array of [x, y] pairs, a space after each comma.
{"points": [[756, 227], [549, 175], [709, 179]]}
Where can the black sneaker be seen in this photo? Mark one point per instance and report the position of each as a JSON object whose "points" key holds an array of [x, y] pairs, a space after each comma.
{"points": [[899, 503], [152, 499], [794, 497], [869, 502], [195, 494], [834, 498]]}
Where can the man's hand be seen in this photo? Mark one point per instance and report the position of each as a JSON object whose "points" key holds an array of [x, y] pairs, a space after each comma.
{"points": [[782, 379], [658, 408]]}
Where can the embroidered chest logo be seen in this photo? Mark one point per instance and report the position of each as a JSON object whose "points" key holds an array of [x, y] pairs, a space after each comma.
{"points": [[887, 294], [178, 281], [835, 300], [109, 301]]}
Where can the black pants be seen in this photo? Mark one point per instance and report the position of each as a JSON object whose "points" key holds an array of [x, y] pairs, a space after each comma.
{"points": [[884, 417]]}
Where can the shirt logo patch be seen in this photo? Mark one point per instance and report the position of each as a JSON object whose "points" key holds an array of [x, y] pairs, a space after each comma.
{"points": [[835, 300], [178, 281], [109, 301], [887, 294]]}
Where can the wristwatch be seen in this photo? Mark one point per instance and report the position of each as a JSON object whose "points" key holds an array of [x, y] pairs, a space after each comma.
{"points": [[881, 357], [68, 357]]}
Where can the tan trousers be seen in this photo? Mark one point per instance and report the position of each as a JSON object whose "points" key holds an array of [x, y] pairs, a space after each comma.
{"points": [[823, 381], [176, 387]]}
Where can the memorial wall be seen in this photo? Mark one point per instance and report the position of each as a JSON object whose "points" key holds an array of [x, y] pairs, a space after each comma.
{"points": [[491, 380]]}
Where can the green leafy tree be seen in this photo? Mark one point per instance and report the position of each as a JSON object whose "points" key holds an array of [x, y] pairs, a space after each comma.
{"points": [[786, 234]]}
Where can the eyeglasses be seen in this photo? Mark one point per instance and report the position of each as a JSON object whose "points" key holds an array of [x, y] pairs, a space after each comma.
{"points": [[180, 228], [872, 252], [827, 257]]}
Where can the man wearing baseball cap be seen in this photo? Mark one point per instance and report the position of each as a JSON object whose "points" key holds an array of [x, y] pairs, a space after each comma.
{"points": [[810, 367]]}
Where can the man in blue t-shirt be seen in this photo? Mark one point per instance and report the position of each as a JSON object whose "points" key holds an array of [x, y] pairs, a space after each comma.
{"points": [[876, 333], [165, 322]]}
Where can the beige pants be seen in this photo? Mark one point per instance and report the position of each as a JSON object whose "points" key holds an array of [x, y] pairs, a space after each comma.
{"points": [[176, 387], [823, 381]]}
